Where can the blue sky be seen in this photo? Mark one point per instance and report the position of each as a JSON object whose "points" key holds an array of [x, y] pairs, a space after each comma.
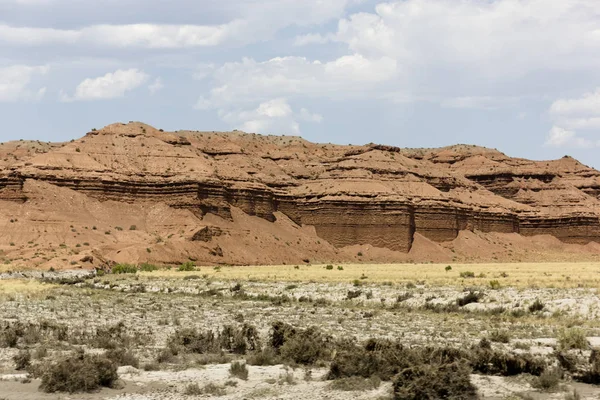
{"points": [[522, 76]]}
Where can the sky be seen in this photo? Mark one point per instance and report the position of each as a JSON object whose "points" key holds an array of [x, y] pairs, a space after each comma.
{"points": [[522, 76]]}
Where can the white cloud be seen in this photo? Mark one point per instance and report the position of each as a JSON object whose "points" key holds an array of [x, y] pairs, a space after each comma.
{"points": [[277, 108], [15, 81], [312, 38], [310, 117], [133, 35], [271, 83], [254, 21], [575, 114], [477, 102], [507, 37], [112, 85], [588, 104], [559, 137], [156, 86], [272, 116], [250, 81]]}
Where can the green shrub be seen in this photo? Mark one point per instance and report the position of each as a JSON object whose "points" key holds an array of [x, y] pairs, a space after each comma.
{"points": [[467, 274], [300, 346], [239, 340], [500, 336], [435, 381], [78, 373], [266, 356], [495, 284], [537, 305], [448, 268], [572, 338], [490, 362], [239, 370], [329, 267], [124, 269], [122, 357], [355, 384], [190, 340], [548, 380], [471, 297], [22, 360], [187, 266], [146, 267]]}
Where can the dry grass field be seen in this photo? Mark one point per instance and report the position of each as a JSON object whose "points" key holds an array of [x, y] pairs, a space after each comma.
{"points": [[496, 331], [519, 275]]}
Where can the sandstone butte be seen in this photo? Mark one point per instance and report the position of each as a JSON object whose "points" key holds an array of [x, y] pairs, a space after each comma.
{"points": [[132, 193]]}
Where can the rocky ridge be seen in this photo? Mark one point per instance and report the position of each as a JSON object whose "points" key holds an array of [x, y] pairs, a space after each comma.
{"points": [[227, 197]]}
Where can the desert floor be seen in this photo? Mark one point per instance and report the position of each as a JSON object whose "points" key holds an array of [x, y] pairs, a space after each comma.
{"points": [[531, 314]]}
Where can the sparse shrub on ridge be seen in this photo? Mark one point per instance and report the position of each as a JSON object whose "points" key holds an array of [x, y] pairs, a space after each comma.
{"points": [[187, 266], [239, 370], [124, 269], [572, 338], [537, 305], [78, 373], [435, 381], [471, 297], [146, 267]]}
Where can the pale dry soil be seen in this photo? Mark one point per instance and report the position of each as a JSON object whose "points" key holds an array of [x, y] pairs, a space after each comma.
{"points": [[404, 303]]}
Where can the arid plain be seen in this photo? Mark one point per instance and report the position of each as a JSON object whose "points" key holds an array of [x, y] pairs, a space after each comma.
{"points": [[142, 264]]}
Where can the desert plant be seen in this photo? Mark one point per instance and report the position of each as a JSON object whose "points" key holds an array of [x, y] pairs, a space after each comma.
{"points": [[239, 370], [146, 267], [435, 381], [78, 373], [22, 360], [467, 274], [495, 284], [266, 356], [572, 338], [124, 269], [548, 380], [187, 266], [537, 305], [471, 297], [299, 346], [355, 384], [190, 340], [500, 336]]}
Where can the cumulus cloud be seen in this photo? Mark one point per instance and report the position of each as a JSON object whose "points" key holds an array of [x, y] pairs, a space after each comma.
{"points": [[253, 21], [271, 83], [560, 137], [504, 36], [250, 81], [112, 85], [150, 36], [156, 86], [574, 115], [272, 116], [15, 83]]}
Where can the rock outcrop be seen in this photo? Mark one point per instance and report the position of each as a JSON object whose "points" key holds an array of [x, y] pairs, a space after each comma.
{"points": [[352, 195]]}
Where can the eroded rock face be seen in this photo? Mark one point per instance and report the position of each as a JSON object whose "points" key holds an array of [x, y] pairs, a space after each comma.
{"points": [[206, 234], [372, 194]]}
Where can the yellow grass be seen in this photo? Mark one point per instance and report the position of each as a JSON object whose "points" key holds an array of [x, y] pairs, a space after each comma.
{"points": [[581, 274], [22, 286]]}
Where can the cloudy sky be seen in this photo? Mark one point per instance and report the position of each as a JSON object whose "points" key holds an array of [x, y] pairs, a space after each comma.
{"points": [[522, 76]]}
